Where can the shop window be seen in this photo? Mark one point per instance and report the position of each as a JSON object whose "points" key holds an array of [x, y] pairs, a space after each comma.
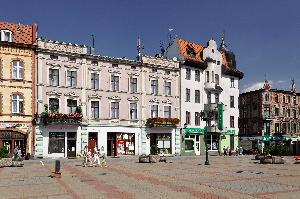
{"points": [[212, 142], [163, 142], [56, 142], [189, 144]]}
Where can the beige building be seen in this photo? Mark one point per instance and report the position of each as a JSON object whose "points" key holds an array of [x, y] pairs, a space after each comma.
{"points": [[17, 72]]}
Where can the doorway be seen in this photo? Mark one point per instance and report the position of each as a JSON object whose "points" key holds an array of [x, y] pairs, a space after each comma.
{"points": [[93, 137], [197, 144], [71, 144]]}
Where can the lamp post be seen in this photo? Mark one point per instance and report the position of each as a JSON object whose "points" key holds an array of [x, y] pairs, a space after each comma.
{"points": [[207, 118]]}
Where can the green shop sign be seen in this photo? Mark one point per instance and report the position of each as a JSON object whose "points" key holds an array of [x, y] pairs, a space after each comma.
{"points": [[194, 130], [266, 138], [230, 132], [220, 116]]}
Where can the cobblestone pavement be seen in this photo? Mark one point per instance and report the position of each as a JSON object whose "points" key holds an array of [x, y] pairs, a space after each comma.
{"points": [[180, 177]]}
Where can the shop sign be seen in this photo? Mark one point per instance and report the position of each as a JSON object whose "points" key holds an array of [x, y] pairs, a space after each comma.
{"points": [[12, 125], [230, 132], [266, 138], [194, 130], [220, 116]]}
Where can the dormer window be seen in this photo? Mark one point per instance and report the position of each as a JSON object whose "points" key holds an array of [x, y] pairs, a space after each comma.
{"points": [[115, 65], [54, 57], [190, 51], [95, 63], [6, 35]]}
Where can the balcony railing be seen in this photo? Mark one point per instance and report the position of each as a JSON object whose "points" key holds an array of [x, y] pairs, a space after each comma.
{"points": [[167, 122], [58, 118]]}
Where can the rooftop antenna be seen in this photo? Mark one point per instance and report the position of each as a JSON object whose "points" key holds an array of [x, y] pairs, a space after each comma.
{"points": [[223, 45], [170, 37], [139, 49], [293, 86], [92, 50]]}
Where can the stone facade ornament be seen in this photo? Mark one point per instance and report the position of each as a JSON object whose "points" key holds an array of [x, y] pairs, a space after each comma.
{"points": [[116, 98], [133, 98], [167, 101], [94, 96], [54, 93], [71, 94], [154, 100]]}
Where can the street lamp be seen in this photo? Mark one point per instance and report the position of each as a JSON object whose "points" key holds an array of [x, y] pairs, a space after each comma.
{"points": [[207, 118]]}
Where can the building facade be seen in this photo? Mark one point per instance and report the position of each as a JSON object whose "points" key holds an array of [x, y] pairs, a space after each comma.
{"points": [[269, 115], [209, 83], [120, 106], [17, 91]]}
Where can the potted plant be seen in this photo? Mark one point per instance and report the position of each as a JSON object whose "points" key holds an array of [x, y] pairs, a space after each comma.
{"points": [[154, 157]]}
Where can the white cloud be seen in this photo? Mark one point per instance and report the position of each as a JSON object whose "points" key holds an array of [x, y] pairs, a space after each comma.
{"points": [[255, 86], [282, 81]]}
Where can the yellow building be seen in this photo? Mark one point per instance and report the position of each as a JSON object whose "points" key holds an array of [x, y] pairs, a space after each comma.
{"points": [[17, 86]]}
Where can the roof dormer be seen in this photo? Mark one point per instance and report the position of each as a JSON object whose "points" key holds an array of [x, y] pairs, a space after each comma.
{"points": [[6, 35]]}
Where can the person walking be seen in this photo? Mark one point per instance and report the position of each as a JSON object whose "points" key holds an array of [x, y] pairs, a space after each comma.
{"points": [[237, 151], [224, 151], [103, 157]]}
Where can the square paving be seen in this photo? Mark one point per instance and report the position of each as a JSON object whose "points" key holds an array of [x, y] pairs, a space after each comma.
{"points": [[180, 177]]}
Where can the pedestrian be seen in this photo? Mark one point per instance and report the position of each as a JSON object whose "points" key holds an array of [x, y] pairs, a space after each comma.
{"points": [[237, 151], [85, 156], [224, 151], [16, 151], [96, 160], [103, 157], [241, 151]]}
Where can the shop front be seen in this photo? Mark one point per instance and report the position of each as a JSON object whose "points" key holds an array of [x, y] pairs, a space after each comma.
{"points": [[11, 139], [193, 141], [120, 143]]}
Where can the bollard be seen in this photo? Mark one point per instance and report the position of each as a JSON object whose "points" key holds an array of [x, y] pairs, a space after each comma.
{"points": [[57, 166]]}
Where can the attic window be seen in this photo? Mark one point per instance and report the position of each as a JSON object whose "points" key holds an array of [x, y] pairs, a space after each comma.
{"points": [[115, 65], [72, 59], [95, 63], [190, 51], [154, 70], [54, 57], [6, 35]]}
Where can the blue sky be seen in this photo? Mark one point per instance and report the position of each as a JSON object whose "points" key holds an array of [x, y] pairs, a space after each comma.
{"points": [[264, 35]]}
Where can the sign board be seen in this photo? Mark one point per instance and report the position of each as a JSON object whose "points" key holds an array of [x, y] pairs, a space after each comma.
{"points": [[266, 138], [220, 116]]}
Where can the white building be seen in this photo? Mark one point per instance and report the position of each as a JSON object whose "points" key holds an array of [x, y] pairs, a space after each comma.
{"points": [[209, 81]]}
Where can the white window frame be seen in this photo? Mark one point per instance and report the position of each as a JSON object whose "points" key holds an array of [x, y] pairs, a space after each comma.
{"points": [[110, 110], [151, 86], [130, 116], [91, 113], [19, 68], [165, 90], [18, 100], [91, 85], [50, 82], [110, 83], [70, 82], [130, 88], [151, 115], [67, 103], [170, 108]]}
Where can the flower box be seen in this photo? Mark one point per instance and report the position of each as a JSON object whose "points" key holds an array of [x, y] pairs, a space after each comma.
{"points": [[152, 122]]}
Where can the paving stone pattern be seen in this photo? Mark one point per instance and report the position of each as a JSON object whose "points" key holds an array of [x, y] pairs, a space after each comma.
{"points": [[180, 177]]}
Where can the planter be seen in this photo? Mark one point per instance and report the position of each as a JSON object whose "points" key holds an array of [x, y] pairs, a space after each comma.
{"points": [[154, 158], [258, 157], [143, 159], [266, 160], [6, 162]]}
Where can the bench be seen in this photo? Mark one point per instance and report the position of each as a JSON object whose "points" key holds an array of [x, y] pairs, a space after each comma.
{"points": [[297, 158]]}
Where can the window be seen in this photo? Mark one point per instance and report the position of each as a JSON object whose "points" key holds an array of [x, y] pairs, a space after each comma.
{"points": [[53, 105], [72, 78], [72, 59], [95, 63], [95, 109], [197, 119], [231, 121], [289, 112], [154, 110], [294, 100], [283, 112], [197, 96], [231, 101], [276, 127], [276, 99], [53, 77], [276, 111], [154, 70], [289, 99], [133, 85], [208, 97], [266, 97], [267, 112], [187, 117], [115, 65], [188, 74], [167, 111], [187, 95], [167, 72], [167, 88], [207, 76], [154, 87], [218, 62], [114, 109], [6, 35], [217, 98], [54, 57], [56, 142], [217, 79], [283, 99], [133, 111], [231, 82], [94, 81], [283, 127], [17, 70], [213, 76], [17, 104], [197, 75], [294, 113], [114, 83], [72, 105], [212, 142]]}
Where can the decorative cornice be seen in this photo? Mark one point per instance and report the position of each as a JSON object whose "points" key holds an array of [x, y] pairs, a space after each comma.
{"points": [[54, 92], [154, 100], [94, 69], [117, 98], [167, 101], [133, 98], [167, 78], [72, 67], [94, 96], [114, 71], [133, 74], [71, 94], [53, 65], [154, 76]]}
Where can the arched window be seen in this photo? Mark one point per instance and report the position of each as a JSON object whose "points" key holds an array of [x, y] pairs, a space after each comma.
{"points": [[217, 79], [17, 69], [17, 103]]}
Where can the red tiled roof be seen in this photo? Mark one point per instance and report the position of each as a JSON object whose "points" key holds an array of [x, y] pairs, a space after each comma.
{"points": [[198, 48], [22, 34]]}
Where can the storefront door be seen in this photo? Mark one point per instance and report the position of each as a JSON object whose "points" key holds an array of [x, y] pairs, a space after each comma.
{"points": [[121, 149], [11, 139], [71, 144], [197, 144]]}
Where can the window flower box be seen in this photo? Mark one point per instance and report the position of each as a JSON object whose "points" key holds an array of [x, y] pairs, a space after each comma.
{"points": [[153, 122]]}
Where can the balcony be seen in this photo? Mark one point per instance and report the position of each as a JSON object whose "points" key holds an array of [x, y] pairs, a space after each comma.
{"points": [[162, 122], [210, 107], [267, 116], [58, 118], [212, 86]]}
